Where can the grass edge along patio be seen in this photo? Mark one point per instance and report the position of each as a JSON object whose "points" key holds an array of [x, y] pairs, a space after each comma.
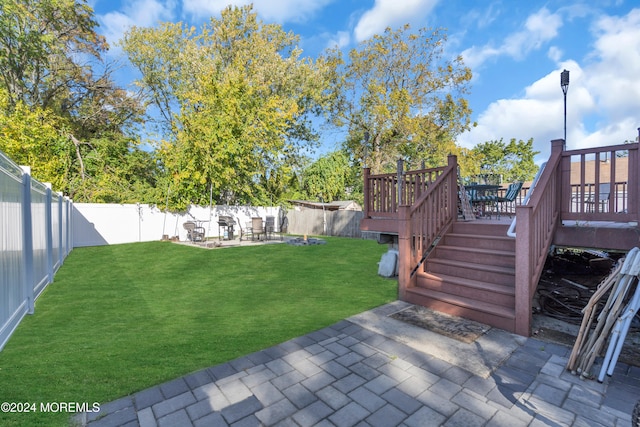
{"points": [[121, 318]]}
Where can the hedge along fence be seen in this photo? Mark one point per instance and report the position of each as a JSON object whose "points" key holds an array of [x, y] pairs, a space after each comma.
{"points": [[344, 223], [35, 239]]}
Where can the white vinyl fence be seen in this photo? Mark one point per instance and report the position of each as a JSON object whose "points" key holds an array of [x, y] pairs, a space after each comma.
{"points": [[34, 241], [97, 224]]}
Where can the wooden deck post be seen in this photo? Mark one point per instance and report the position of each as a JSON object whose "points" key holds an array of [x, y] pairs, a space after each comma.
{"points": [[524, 271], [404, 251], [365, 176], [634, 182], [401, 198], [452, 161]]}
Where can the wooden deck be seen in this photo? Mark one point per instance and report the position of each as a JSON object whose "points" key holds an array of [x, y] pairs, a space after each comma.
{"points": [[568, 206]]}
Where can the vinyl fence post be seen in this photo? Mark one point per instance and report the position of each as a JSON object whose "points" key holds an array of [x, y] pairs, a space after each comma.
{"points": [[27, 239], [62, 227], [48, 214]]}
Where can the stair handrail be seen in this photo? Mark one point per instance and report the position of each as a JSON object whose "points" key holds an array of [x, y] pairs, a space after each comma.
{"points": [[425, 238], [538, 222], [511, 231]]}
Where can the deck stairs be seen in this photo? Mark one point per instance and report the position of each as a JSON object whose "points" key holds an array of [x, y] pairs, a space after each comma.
{"points": [[471, 274]]}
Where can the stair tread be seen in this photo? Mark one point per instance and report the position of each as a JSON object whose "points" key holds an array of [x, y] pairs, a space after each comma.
{"points": [[472, 283], [487, 307], [474, 266], [480, 236], [481, 250]]}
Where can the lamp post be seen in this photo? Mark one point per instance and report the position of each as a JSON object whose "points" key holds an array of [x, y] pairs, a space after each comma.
{"points": [[365, 148], [564, 84]]}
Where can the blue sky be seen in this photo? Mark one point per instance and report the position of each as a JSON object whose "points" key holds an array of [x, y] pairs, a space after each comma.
{"points": [[515, 49]]}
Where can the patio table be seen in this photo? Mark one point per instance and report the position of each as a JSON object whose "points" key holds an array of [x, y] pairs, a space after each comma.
{"points": [[481, 194]]}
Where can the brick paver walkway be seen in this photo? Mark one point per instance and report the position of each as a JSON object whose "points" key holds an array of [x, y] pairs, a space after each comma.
{"points": [[349, 375]]}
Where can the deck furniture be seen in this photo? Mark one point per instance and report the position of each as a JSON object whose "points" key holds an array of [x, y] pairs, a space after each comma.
{"points": [[195, 232], [269, 226], [243, 232], [257, 228], [482, 195], [507, 203], [597, 202]]}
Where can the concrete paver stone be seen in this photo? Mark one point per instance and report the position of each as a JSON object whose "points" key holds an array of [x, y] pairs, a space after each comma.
{"points": [[374, 370]]}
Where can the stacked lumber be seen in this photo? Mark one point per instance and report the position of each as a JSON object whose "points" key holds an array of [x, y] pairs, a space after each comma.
{"points": [[606, 322]]}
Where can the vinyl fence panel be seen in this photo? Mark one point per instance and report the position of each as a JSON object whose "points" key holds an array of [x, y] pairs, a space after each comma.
{"points": [[33, 244], [13, 301]]}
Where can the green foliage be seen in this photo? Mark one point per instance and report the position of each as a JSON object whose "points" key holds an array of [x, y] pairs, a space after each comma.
{"points": [[123, 318], [398, 89], [71, 125], [41, 44], [329, 177], [513, 161], [31, 137], [236, 99], [116, 171]]}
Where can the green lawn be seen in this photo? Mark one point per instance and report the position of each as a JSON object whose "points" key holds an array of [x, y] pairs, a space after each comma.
{"points": [[121, 318]]}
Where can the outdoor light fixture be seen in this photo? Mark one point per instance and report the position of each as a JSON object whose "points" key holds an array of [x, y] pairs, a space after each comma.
{"points": [[564, 84]]}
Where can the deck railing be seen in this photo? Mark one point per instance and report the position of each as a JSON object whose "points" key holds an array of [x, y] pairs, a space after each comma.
{"points": [[422, 222], [600, 184], [569, 188], [383, 195], [536, 223]]}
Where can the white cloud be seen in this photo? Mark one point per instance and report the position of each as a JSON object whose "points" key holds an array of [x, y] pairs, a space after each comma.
{"points": [[602, 102], [140, 13], [615, 66], [339, 40], [555, 53], [279, 11], [539, 114], [148, 13], [539, 28], [204, 9], [391, 13], [481, 18]]}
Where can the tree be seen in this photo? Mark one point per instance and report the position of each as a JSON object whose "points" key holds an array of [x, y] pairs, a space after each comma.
{"points": [[61, 116], [41, 44], [235, 102], [329, 177], [30, 136], [512, 161], [399, 90]]}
